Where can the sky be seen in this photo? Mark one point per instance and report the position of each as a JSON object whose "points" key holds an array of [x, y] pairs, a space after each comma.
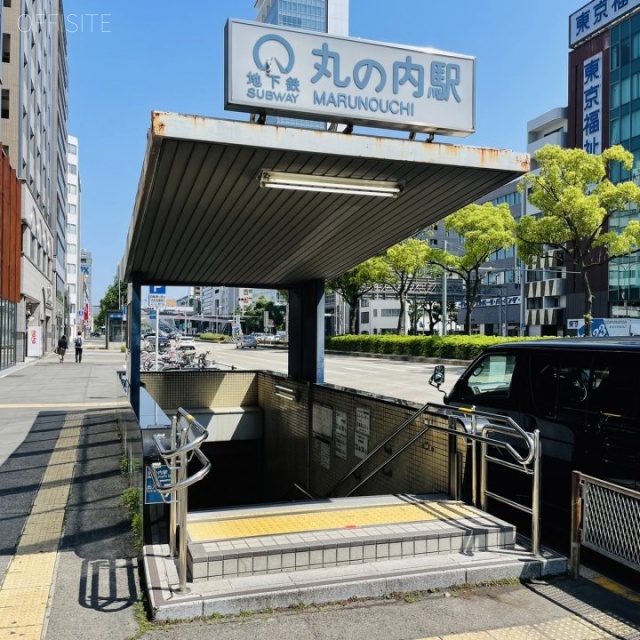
{"points": [[127, 59]]}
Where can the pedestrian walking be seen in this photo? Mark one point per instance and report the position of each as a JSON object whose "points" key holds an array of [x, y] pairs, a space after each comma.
{"points": [[63, 345], [79, 344]]}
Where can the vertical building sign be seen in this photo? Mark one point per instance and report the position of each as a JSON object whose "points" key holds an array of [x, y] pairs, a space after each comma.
{"points": [[592, 105]]}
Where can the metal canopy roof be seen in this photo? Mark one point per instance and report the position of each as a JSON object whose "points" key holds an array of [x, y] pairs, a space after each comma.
{"points": [[201, 217]]}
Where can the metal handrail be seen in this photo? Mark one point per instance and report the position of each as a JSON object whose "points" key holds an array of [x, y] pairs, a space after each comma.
{"points": [[382, 444], [177, 457], [506, 426], [495, 423], [183, 484]]}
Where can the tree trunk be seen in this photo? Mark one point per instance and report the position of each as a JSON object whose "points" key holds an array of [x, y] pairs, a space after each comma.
{"points": [[588, 301], [402, 325]]}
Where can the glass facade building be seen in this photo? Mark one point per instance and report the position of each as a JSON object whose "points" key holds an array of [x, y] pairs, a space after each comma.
{"points": [[624, 128], [324, 16], [604, 110]]}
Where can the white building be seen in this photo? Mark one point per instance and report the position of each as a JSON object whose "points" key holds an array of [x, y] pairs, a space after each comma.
{"points": [[75, 319], [34, 136]]}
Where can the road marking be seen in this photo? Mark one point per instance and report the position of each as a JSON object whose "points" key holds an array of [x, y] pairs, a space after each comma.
{"points": [[106, 403]]}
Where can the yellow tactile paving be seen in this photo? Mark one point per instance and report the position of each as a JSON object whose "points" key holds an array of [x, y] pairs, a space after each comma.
{"points": [[568, 628], [24, 593], [209, 531]]}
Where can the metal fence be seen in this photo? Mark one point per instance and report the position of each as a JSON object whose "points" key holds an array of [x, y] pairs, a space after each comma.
{"points": [[606, 519]]}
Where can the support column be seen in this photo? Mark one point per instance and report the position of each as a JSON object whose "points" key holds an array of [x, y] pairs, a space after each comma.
{"points": [[306, 331], [134, 314]]}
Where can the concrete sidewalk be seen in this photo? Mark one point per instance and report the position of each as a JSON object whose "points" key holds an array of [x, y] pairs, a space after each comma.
{"points": [[69, 567]]}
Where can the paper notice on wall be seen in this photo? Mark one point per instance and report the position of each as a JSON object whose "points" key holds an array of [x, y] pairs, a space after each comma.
{"points": [[321, 420], [325, 455], [363, 421], [340, 436], [361, 445]]}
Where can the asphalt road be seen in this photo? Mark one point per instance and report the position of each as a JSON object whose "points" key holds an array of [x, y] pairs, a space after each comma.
{"points": [[382, 376]]}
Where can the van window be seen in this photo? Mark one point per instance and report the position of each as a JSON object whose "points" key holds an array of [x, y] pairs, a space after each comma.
{"points": [[561, 383], [617, 390], [489, 382]]}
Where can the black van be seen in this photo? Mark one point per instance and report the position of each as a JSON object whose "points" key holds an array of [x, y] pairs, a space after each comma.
{"points": [[582, 394]]}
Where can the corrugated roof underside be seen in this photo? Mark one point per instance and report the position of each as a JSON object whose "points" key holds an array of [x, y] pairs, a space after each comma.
{"points": [[207, 221]]}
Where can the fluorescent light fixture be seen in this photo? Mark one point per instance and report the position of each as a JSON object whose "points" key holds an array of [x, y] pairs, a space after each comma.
{"points": [[324, 184]]}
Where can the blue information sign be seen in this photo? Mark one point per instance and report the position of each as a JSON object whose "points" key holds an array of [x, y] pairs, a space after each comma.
{"points": [[151, 494]]}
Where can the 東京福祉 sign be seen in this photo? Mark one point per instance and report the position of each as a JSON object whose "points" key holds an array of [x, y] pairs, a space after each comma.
{"points": [[300, 74]]}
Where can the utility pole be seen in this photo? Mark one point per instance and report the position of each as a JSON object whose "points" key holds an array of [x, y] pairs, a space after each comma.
{"points": [[445, 319]]}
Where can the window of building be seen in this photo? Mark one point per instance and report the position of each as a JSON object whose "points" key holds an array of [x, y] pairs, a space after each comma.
{"points": [[4, 106], [71, 269], [73, 190], [71, 249], [72, 309], [615, 132], [73, 150], [625, 90], [72, 229], [364, 317], [6, 47], [71, 209], [615, 57], [389, 313], [73, 169], [72, 289]]}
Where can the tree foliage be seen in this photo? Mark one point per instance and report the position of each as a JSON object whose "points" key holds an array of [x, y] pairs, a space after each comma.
{"points": [[115, 297], [357, 282], [484, 229], [576, 200], [406, 261], [253, 316]]}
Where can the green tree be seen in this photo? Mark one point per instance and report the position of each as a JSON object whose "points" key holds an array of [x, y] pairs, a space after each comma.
{"points": [[115, 297], [406, 261], [357, 282], [484, 229], [576, 200]]}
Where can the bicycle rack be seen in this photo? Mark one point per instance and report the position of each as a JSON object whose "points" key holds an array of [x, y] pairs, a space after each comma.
{"points": [[187, 435]]}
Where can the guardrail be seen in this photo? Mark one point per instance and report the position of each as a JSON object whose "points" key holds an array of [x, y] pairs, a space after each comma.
{"points": [[606, 519], [187, 435]]}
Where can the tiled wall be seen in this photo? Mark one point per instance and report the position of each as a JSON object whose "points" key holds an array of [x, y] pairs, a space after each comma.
{"points": [[201, 389], [315, 434]]}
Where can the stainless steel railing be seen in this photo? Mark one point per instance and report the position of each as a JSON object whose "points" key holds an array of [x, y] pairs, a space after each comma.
{"points": [[187, 436], [481, 427]]}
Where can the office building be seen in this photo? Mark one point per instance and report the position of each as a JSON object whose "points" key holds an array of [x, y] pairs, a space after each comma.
{"points": [[34, 137], [74, 187], [324, 16], [85, 285], [604, 110]]}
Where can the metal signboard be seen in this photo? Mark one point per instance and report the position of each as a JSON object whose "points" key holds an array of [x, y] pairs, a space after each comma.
{"points": [[595, 16], [151, 494], [336, 79]]}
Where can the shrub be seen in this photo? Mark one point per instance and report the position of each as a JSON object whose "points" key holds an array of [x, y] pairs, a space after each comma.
{"points": [[213, 337], [446, 347]]}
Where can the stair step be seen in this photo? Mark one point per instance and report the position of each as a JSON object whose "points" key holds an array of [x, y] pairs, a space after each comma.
{"points": [[335, 533]]}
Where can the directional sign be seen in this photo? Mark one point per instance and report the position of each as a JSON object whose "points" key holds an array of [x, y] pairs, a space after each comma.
{"points": [[157, 297], [157, 301]]}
